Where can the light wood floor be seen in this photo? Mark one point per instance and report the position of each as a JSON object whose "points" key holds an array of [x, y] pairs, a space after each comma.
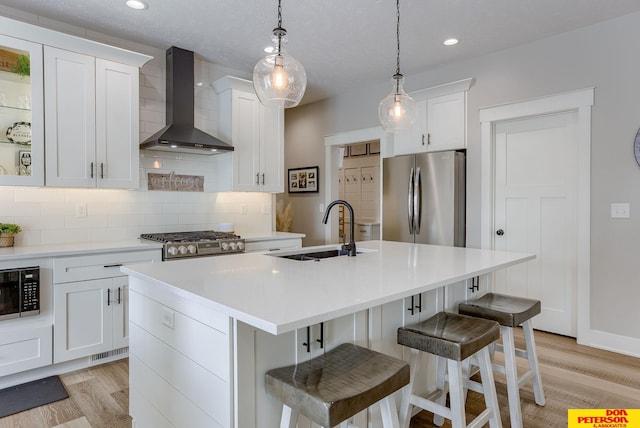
{"points": [[574, 376]]}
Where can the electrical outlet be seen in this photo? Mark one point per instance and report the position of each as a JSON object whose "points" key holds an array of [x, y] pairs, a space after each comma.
{"points": [[620, 210], [243, 209], [168, 318], [266, 208], [81, 209]]}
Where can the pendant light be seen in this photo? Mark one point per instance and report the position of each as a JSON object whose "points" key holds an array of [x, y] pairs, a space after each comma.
{"points": [[278, 78], [398, 110]]}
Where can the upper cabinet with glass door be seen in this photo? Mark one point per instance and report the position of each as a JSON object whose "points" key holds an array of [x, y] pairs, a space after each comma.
{"points": [[21, 113]]}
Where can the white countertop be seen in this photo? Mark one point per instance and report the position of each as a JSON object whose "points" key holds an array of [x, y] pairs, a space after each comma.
{"points": [[278, 295], [74, 249]]}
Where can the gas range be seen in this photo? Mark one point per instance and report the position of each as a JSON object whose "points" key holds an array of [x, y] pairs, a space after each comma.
{"points": [[179, 245]]}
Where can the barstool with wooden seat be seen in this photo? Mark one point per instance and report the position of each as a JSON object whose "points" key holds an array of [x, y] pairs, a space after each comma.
{"points": [[336, 386], [453, 338], [510, 312]]}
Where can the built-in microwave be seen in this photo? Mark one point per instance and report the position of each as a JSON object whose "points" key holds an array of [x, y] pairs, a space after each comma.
{"points": [[19, 292]]}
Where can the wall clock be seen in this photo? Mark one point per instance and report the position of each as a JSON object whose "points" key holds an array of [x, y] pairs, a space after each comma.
{"points": [[636, 147]]}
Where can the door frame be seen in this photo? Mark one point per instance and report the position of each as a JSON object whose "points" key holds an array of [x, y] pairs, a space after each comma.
{"points": [[332, 145], [580, 101]]}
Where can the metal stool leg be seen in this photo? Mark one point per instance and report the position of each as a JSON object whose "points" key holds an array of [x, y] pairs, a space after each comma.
{"points": [[532, 356], [511, 371]]}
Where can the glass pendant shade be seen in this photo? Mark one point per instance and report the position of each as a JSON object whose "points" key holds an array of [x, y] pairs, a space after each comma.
{"points": [[397, 111], [279, 79]]}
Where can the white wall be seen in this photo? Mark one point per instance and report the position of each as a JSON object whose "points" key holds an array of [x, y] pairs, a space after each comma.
{"points": [[48, 215], [603, 56]]}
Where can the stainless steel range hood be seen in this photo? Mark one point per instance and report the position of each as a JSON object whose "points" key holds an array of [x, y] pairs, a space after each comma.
{"points": [[180, 135]]}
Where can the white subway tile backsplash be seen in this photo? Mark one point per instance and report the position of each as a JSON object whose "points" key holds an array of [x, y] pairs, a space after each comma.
{"points": [[21, 209], [63, 236], [152, 116], [35, 194], [151, 93], [7, 194]]}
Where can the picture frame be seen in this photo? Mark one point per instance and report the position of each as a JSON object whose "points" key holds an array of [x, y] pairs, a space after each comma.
{"points": [[358, 150], [303, 180]]}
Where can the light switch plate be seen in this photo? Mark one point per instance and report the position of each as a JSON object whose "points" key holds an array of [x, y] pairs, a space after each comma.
{"points": [[620, 210]]}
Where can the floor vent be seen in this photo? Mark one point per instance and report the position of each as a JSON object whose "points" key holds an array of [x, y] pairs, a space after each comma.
{"points": [[108, 355]]}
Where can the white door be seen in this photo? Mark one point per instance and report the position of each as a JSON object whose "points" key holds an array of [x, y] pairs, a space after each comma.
{"points": [[535, 209]]}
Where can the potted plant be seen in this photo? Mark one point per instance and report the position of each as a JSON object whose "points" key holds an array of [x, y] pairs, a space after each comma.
{"points": [[7, 232]]}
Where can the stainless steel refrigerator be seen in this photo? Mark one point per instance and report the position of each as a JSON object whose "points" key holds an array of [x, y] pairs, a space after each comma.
{"points": [[423, 198]]}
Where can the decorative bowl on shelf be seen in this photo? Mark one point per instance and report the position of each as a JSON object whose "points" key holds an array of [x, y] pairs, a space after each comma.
{"points": [[19, 133]]}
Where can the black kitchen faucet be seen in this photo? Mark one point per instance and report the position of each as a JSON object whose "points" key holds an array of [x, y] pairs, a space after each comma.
{"points": [[349, 248]]}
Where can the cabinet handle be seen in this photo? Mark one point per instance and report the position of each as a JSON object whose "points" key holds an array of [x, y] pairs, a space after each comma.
{"points": [[321, 340], [307, 344], [423, 139], [475, 284], [112, 266], [119, 297], [258, 179], [428, 138], [101, 170], [91, 169], [419, 305], [411, 309], [108, 297], [263, 178]]}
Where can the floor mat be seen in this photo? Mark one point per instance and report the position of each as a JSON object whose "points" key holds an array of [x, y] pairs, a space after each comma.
{"points": [[28, 395]]}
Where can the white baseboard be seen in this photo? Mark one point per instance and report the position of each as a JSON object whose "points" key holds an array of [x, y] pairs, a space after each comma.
{"points": [[611, 342], [54, 369]]}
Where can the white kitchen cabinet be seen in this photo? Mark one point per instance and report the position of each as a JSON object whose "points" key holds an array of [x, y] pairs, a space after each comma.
{"points": [[325, 336], [440, 125], [90, 301], [21, 115], [92, 121], [257, 135], [440, 120], [257, 352], [25, 347]]}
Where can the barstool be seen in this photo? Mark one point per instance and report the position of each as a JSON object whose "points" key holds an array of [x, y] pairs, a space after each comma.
{"points": [[453, 338], [333, 387], [510, 312]]}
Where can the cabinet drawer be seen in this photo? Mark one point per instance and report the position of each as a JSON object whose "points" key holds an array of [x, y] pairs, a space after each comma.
{"points": [[205, 345], [105, 265], [279, 244], [25, 349]]}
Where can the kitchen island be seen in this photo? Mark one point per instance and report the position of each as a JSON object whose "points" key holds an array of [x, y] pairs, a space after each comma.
{"points": [[203, 332]]}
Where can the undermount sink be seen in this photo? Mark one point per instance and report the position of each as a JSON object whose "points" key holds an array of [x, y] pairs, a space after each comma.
{"points": [[316, 255]]}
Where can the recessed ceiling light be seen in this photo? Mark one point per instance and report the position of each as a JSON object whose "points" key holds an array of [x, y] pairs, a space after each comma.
{"points": [[137, 4], [450, 42]]}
